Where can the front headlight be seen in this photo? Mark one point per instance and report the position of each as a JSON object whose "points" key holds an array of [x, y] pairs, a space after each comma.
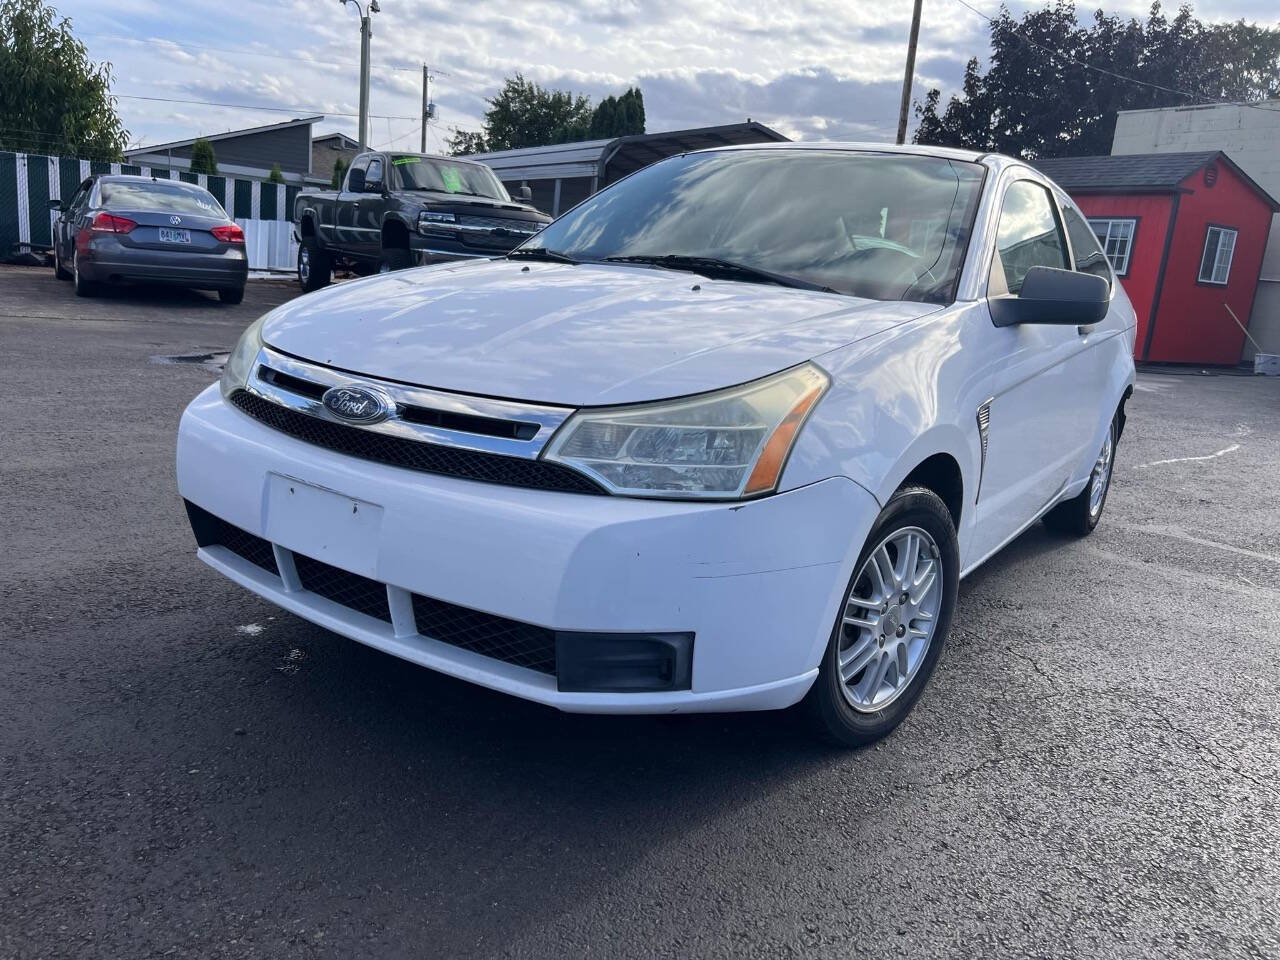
{"points": [[240, 361], [429, 221], [725, 445]]}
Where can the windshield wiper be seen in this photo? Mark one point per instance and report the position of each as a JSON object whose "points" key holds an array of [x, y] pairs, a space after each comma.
{"points": [[705, 265], [542, 253]]}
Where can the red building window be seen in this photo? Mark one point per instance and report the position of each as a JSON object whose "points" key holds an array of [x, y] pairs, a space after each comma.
{"points": [[1116, 238], [1219, 248]]}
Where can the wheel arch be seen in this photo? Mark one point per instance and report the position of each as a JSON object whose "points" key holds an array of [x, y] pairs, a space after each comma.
{"points": [[395, 234]]}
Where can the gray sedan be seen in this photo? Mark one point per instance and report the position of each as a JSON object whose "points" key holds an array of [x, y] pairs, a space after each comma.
{"points": [[123, 229]]}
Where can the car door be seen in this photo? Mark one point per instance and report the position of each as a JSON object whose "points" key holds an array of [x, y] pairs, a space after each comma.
{"points": [[347, 209], [66, 226], [368, 220], [1034, 424]]}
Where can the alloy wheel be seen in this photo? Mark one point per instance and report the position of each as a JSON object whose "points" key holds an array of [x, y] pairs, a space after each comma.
{"points": [[1101, 476], [304, 265], [889, 620]]}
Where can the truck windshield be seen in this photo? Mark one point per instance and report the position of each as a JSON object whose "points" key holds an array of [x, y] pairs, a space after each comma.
{"points": [[879, 225], [468, 179]]}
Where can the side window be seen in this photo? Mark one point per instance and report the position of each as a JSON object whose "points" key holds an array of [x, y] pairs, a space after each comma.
{"points": [[1088, 255], [1028, 235], [1219, 248], [360, 163], [81, 197], [375, 173]]}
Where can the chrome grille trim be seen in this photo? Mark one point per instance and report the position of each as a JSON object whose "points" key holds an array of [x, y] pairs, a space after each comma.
{"points": [[547, 419]]}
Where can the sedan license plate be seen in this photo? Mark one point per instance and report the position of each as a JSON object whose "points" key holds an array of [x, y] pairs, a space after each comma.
{"points": [[168, 235]]}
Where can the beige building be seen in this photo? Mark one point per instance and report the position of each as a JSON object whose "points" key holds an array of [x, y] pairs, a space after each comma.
{"points": [[1250, 136]]}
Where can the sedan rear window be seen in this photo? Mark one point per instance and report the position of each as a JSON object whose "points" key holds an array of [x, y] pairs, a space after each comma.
{"points": [[877, 225], [153, 196]]}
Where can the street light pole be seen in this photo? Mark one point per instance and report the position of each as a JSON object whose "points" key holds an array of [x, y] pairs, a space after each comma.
{"points": [[366, 31], [911, 69]]}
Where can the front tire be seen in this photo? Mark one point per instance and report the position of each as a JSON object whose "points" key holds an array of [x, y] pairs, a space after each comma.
{"points": [[892, 624], [59, 271], [1079, 515], [395, 258], [314, 266], [231, 295]]}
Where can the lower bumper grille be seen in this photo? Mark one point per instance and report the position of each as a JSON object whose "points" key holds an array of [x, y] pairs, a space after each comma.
{"points": [[413, 454], [510, 641], [349, 589], [214, 531]]}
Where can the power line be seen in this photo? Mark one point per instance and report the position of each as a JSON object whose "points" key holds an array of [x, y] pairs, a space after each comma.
{"points": [[1111, 73], [250, 106]]}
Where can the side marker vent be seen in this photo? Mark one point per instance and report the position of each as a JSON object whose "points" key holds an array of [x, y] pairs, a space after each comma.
{"points": [[984, 431]]}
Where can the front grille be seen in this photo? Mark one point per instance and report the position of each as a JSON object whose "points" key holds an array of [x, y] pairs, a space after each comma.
{"points": [[502, 223], [349, 589], [413, 454], [511, 641], [214, 531]]}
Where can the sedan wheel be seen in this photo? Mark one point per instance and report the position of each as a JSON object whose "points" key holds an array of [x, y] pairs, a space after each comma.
{"points": [[83, 287], [890, 618], [892, 622], [1079, 515]]}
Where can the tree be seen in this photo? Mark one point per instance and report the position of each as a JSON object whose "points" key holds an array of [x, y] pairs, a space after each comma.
{"points": [[524, 114], [1037, 97], [53, 98], [466, 141], [203, 159], [340, 165], [276, 175]]}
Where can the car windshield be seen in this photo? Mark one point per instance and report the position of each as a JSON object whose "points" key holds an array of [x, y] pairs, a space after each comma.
{"points": [[878, 225], [468, 179], [155, 196]]}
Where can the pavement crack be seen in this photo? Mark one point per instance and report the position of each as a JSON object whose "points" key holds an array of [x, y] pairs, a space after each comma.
{"points": [[1209, 755]]}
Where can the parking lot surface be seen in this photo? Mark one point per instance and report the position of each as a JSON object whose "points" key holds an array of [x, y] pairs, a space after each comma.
{"points": [[186, 771]]}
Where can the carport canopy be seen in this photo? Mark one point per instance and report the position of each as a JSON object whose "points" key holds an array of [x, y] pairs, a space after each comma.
{"points": [[564, 174]]}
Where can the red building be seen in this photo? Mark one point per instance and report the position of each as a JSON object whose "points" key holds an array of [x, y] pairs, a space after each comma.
{"points": [[1185, 233]]}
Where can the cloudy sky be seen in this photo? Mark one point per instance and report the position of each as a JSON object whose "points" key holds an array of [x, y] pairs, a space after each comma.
{"points": [[815, 69]]}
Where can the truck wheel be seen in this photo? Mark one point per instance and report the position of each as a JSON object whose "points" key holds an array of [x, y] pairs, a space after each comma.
{"points": [[314, 268], [395, 258]]}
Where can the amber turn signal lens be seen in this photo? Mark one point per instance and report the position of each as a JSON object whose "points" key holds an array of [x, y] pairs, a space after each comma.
{"points": [[773, 457]]}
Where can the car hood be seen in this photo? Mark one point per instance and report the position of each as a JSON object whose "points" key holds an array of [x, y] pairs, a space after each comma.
{"points": [[576, 335]]}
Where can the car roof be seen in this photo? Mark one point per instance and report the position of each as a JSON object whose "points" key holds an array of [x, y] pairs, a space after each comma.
{"points": [[132, 178]]}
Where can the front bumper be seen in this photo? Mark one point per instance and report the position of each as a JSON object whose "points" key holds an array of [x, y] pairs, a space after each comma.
{"points": [[757, 583]]}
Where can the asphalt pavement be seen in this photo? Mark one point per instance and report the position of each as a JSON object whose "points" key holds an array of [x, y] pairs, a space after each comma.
{"points": [[186, 771]]}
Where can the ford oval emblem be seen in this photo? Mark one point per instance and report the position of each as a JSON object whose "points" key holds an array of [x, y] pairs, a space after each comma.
{"points": [[175, 220], [356, 404]]}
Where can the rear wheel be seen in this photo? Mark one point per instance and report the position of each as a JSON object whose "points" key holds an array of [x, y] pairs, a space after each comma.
{"points": [[232, 295], [83, 287], [314, 265], [1079, 515], [892, 624]]}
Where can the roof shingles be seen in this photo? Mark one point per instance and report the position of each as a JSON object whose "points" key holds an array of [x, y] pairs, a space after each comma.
{"points": [[1138, 171]]}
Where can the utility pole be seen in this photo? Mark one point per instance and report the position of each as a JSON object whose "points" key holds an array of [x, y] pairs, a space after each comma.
{"points": [[911, 69], [366, 31], [426, 107]]}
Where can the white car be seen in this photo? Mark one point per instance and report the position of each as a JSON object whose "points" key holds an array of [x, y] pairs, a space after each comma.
{"points": [[725, 436]]}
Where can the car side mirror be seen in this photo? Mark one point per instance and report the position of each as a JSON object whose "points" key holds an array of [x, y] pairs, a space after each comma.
{"points": [[526, 195], [57, 205], [1053, 295], [355, 181]]}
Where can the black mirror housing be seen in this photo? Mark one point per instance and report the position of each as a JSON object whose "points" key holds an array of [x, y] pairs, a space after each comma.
{"points": [[1053, 295], [56, 205], [355, 181]]}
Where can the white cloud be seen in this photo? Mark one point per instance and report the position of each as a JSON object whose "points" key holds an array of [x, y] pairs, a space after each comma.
{"points": [[811, 68]]}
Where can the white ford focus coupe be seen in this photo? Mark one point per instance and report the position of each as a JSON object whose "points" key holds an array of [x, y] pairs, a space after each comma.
{"points": [[725, 436]]}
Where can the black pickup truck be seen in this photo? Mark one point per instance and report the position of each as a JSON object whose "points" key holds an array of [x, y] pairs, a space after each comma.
{"points": [[396, 210]]}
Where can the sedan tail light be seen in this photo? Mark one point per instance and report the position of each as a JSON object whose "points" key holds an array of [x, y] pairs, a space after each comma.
{"points": [[110, 223], [228, 233]]}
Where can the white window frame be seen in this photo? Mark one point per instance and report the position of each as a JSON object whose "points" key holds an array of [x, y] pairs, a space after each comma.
{"points": [[1119, 264], [1220, 268]]}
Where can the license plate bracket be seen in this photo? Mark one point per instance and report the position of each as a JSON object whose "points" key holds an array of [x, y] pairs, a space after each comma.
{"points": [[324, 524]]}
